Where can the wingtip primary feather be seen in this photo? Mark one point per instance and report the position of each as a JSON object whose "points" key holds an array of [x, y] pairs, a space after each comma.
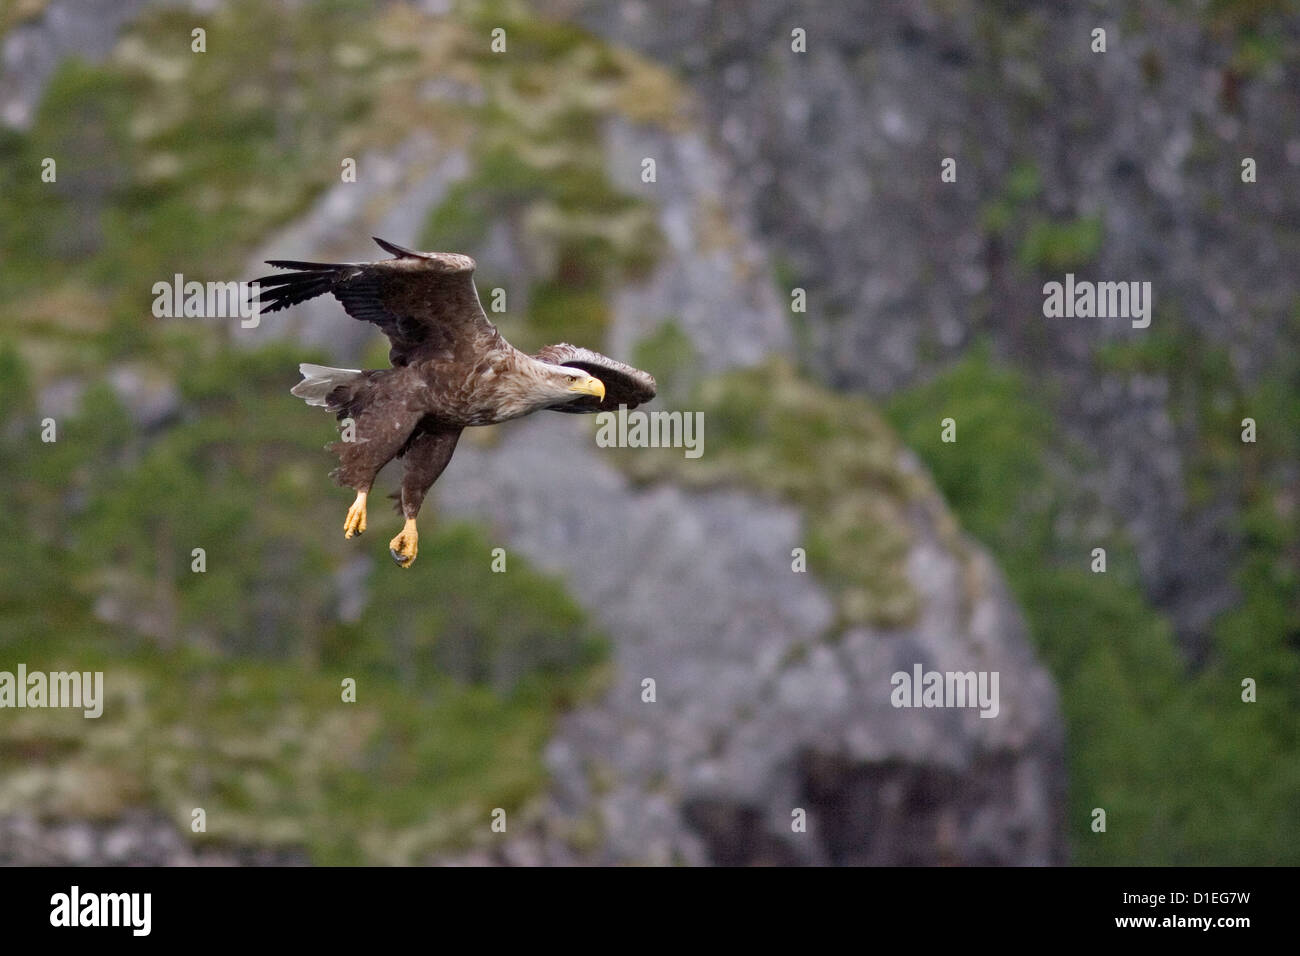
{"points": [[395, 249]]}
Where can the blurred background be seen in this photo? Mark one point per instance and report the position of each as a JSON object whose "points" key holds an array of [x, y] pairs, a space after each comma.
{"points": [[774, 171]]}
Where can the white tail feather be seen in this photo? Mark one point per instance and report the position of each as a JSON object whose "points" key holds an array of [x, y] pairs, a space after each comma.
{"points": [[319, 380]]}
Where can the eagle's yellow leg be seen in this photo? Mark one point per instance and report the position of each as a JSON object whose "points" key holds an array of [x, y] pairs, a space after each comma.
{"points": [[355, 522], [405, 546]]}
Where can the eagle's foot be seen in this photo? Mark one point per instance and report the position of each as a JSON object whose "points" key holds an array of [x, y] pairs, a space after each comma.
{"points": [[355, 522], [405, 546]]}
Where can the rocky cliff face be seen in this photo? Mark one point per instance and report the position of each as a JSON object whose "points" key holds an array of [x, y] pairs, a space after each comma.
{"points": [[761, 705], [772, 686], [1122, 165]]}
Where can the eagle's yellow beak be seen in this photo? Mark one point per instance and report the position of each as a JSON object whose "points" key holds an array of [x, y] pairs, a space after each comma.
{"points": [[589, 386]]}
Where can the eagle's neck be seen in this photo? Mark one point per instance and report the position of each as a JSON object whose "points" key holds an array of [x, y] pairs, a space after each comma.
{"points": [[521, 385]]}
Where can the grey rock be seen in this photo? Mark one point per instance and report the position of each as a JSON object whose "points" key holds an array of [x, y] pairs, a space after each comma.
{"points": [[391, 200], [715, 280], [137, 838], [834, 156], [33, 50], [150, 399], [757, 712]]}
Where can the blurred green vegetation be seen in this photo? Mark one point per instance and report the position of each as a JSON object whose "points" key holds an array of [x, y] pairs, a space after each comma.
{"points": [[171, 161], [1187, 772], [539, 164], [1056, 246], [1256, 29], [1023, 185], [1042, 244], [673, 356], [225, 684]]}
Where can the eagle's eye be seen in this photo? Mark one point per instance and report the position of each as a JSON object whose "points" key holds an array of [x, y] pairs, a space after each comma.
{"points": [[584, 384]]}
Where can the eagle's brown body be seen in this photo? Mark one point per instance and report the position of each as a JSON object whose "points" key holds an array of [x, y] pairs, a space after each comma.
{"points": [[451, 370]]}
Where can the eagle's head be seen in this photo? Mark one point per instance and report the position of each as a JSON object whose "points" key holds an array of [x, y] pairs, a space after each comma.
{"points": [[536, 385], [565, 385]]}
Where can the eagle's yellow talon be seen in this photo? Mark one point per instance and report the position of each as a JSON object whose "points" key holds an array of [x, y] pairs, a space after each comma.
{"points": [[405, 546], [355, 522]]}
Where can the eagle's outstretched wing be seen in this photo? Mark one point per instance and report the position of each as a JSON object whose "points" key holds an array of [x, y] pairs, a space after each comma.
{"points": [[624, 385], [425, 302]]}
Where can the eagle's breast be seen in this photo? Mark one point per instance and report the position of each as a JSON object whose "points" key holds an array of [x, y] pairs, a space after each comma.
{"points": [[480, 389]]}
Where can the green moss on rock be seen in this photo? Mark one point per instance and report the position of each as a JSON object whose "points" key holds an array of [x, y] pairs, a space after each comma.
{"points": [[539, 166], [767, 429]]}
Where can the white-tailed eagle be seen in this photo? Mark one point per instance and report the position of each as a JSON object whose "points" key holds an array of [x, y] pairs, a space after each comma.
{"points": [[451, 369]]}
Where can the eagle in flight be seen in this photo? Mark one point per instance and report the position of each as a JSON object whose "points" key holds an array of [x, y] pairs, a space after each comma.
{"points": [[451, 369]]}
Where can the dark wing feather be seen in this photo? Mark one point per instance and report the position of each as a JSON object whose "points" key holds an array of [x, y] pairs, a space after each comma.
{"points": [[624, 385], [425, 302]]}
